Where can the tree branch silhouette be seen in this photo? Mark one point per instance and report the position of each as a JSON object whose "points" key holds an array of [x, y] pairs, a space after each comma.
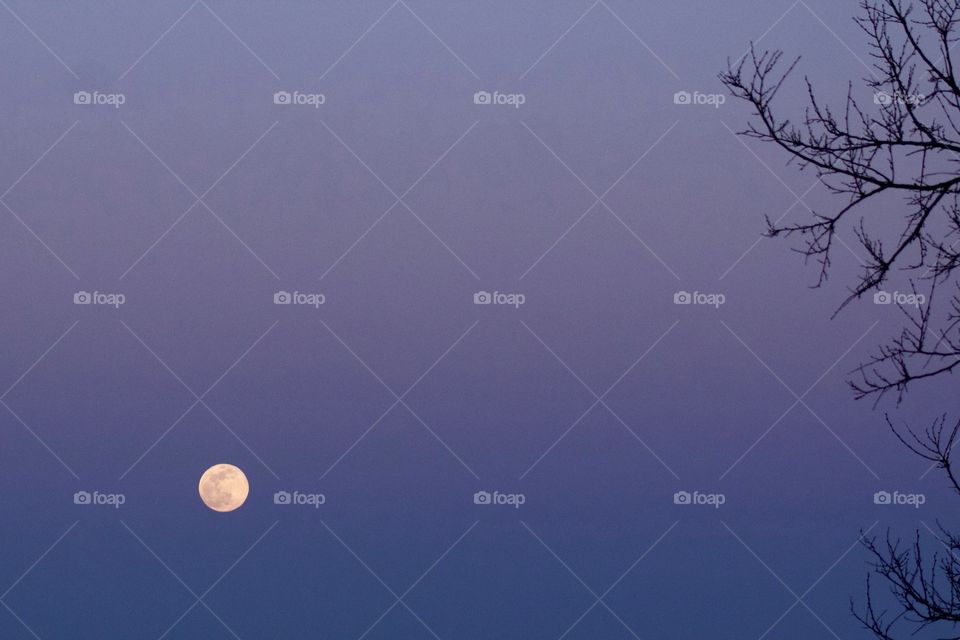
{"points": [[904, 146]]}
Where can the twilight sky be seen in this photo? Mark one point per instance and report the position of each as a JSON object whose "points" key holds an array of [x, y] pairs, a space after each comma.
{"points": [[399, 198]]}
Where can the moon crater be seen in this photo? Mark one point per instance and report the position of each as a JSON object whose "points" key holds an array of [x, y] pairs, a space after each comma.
{"points": [[224, 487]]}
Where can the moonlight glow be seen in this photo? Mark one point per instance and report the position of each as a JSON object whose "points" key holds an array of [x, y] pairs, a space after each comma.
{"points": [[223, 487]]}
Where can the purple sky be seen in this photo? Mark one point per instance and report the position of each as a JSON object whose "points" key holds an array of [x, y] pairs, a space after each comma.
{"points": [[398, 199]]}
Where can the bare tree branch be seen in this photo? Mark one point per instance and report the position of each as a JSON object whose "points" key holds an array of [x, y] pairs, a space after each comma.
{"points": [[904, 147]]}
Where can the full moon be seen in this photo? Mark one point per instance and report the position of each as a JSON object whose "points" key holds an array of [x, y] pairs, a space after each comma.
{"points": [[223, 487]]}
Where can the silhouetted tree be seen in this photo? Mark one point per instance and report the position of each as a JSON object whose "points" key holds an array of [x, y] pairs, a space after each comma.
{"points": [[905, 143]]}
